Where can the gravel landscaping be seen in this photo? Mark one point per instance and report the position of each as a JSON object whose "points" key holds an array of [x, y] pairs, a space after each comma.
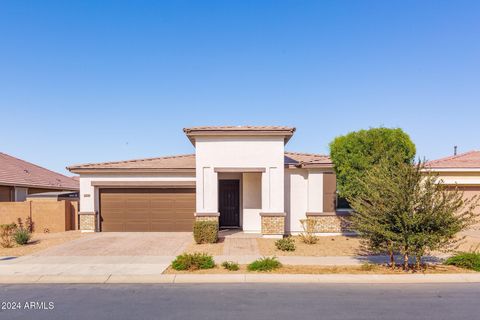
{"points": [[364, 269], [39, 242], [326, 246]]}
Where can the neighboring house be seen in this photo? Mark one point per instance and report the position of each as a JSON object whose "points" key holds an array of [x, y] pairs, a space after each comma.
{"points": [[240, 176], [460, 171], [19, 178]]}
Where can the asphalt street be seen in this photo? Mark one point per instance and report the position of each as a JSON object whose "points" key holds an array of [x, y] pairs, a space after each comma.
{"points": [[241, 301]]}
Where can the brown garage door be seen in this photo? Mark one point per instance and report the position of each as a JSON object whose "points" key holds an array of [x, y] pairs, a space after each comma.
{"points": [[147, 209]]}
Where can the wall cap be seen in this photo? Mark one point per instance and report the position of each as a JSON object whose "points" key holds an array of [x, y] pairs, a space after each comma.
{"points": [[92, 213], [207, 214], [328, 214], [273, 214]]}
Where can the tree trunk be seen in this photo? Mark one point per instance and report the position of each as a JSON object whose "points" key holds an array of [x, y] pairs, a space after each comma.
{"points": [[392, 259], [405, 261], [418, 262]]}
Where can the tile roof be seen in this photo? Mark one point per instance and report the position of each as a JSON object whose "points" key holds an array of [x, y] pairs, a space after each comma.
{"points": [[307, 160], [17, 172], [187, 161], [239, 128], [467, 160], [286, 132]]}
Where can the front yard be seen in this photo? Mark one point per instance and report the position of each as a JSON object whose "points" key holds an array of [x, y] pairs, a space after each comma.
{"points": [[39, 242], [299, 269], [325, 246]]}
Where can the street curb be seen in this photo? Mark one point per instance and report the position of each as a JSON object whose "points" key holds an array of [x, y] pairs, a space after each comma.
{"points": [[244, 278]]}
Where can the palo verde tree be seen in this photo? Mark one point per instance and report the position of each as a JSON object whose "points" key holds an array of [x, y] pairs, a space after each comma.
{"points": [[357, 152], [406, 208]]}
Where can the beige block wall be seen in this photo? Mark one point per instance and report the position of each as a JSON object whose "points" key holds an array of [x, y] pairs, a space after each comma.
{"points": [[47, 216]]}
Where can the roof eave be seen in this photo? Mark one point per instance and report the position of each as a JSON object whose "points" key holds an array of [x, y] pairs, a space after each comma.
{"points": [[39, 186], [129, 170], [192, 135]]}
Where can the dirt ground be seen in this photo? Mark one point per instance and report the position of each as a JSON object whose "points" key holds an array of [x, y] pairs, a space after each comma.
{"points": [[214, 249], [326, 246], [364, 269], [40, 241]]}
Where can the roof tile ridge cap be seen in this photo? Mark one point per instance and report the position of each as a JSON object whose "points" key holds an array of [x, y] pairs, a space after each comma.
{"points": [[452, 157], [34, 165]]}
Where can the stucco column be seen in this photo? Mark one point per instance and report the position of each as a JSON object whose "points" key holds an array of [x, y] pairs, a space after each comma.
{"points": [[315, 191], [273, 213], [207, 194]]}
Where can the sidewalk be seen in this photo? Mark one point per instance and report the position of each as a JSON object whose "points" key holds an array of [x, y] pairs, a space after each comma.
{"points": [[245, 278], [147, 265]]}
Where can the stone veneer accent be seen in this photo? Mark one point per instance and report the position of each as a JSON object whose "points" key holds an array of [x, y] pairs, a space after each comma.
{"points": [[273, 224], [207, 216], [87, 221], [330, 222], [206, 219]]}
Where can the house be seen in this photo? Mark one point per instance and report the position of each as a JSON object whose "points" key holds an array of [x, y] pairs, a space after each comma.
{"points": [[19, 178], [240, 176], [460, 171]]}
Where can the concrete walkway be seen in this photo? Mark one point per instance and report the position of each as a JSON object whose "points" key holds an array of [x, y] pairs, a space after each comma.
{"points": [[240, 247], [45, 265], [247, 278]]}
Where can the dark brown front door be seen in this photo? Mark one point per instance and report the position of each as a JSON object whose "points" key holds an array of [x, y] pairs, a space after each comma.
{"points": [[229, 203]]}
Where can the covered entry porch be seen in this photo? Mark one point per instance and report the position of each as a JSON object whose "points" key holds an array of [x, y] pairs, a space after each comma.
{"points": [[241, 199]]}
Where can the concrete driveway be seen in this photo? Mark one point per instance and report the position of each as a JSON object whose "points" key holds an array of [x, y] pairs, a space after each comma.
{"points": [[107, 244], [100, 254]]}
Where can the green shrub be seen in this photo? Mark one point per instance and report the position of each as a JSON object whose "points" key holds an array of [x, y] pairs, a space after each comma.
{"points": [[205, 231], [285, 244], [367, 266], [230, 265], [21, 236], [264, 264], [193, 261], [6, 234], [467, 260]]}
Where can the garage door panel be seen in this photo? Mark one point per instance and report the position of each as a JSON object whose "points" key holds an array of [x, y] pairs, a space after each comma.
{"points": [[147, 209], [112, 226]]}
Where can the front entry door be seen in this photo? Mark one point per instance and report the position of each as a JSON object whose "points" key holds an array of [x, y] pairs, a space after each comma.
{"points": [[229, 203]]}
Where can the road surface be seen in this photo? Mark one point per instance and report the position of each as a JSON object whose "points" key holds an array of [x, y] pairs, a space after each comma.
{"points": [[241, 301]]}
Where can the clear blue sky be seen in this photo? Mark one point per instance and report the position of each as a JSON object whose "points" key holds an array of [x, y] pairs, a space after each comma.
{"points": [[90, 81]]}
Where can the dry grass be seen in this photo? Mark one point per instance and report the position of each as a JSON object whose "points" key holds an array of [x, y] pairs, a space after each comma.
{"points": [[289, 269], [40, 241], [326, 246], [214, 249]]}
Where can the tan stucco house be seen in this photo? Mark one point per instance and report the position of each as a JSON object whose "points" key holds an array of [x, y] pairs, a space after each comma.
{"points": [[240, 176], [459, 171]]}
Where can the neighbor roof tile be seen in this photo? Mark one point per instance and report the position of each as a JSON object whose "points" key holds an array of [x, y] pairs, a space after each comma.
{"points": [[17, 172], [468, 160]]}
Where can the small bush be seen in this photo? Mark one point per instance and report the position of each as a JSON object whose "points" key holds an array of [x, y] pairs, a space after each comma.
{"points": [[21, 236], [230, 265], [309, 226], [6, 234], [285, 244], [205, 232], [367, 266], [193, 261], [467, 260], [264, 264]]}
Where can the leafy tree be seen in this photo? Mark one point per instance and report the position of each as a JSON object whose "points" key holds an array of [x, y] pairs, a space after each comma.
{"points": [[357, 152], [408, 209]]}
